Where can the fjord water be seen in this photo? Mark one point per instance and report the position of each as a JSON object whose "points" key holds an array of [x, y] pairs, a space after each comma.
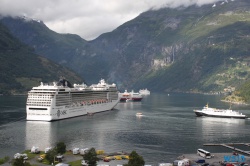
{"points": [[167, 129]]}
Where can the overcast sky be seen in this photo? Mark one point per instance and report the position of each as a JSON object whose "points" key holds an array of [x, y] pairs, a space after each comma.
{"points": [[87, 18]]}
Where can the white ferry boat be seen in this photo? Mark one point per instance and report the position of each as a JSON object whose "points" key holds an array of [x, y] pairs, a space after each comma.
{"points": [[222, 113], [49, 102], [144, 91]]}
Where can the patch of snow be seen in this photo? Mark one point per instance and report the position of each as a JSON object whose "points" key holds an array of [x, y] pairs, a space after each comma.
{"points": [[39, 21]]}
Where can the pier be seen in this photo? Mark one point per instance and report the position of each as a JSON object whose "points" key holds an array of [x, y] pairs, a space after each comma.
{"points": [[231, 146]]}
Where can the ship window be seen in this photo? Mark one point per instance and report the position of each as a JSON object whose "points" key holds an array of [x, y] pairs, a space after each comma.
{"points": [[38, 108]]}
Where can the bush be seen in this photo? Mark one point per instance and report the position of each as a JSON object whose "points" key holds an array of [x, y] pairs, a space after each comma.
{"points": [[91, 157], [4, 160], [51, 155], [135, 160], [61, 147], [20, 162]]}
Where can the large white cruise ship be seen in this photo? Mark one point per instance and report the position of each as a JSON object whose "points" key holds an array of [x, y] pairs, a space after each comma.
{"points": [[49, 102]]}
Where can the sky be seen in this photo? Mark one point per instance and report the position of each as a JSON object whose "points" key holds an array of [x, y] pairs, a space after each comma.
{"points": [[87, 18]]}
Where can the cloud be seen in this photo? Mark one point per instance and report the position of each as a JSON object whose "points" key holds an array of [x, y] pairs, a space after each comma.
{"points": [[87, 18]]}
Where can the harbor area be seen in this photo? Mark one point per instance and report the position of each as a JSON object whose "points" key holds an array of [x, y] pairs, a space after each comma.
{"points": [[217, 159], [237, 157], [71, 158]]}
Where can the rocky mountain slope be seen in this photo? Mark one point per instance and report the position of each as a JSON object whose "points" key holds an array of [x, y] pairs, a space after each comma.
{"points": [[197, 49]]}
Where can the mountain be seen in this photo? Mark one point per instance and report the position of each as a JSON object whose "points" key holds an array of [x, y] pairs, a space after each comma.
{"points": [[188, 49], [59, 48], [183, 49], [21, 68]]}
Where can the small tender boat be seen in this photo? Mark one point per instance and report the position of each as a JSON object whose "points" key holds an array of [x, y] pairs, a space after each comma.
{"points": [[221, 113], [139, 114]]}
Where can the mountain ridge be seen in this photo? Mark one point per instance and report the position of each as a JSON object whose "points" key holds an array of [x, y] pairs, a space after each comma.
{"points": [[187, 49]]}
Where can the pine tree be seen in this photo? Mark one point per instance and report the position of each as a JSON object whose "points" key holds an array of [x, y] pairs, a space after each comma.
{"points": [[135, 160], [91, 157]]}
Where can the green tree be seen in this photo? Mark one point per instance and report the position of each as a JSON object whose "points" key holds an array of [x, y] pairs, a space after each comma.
{"points": [[61, 147], [135, 159], [91, 157], [50, 156], [20, 162]]}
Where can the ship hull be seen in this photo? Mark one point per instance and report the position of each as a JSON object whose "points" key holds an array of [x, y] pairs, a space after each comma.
{"points": [[136, 99], [130, 99], [200, 113], [59, 113], [225, 116], [197, 113]]}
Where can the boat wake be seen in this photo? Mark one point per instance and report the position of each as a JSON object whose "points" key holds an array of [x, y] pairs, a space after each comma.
{"points": [[139, 114]]}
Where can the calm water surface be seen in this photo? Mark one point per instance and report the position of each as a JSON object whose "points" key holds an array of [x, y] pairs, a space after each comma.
{"points": [[168, 129]]}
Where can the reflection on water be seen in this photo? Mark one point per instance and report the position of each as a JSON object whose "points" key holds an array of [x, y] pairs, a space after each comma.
{"points": [[213, 128], [213, 121], [129, 105], [39, 134], [225, 121]]}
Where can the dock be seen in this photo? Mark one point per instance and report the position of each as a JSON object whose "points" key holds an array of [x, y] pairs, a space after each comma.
{"points": [[231, 146]]}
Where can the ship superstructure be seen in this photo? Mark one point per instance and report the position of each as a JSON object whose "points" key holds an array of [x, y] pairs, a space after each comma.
{"points": [[144, 92], [61, 100], [221, 113]]}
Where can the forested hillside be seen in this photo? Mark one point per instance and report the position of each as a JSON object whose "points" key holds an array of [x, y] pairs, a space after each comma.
{"points": [[215, 61], [241, 95], [60, 48], [244, 92], [21, 68]]}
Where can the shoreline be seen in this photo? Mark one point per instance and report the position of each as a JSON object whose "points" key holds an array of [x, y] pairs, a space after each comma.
{"points": [[218, 159], [233, 102]]}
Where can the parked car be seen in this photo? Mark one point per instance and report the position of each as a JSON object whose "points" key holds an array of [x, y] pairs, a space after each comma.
{"points": [[76, 150], [47, 149], [18, 155], [84, 151], [201, 161], [35, 150], [84, 163], [205, 164], [106, 160]]}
